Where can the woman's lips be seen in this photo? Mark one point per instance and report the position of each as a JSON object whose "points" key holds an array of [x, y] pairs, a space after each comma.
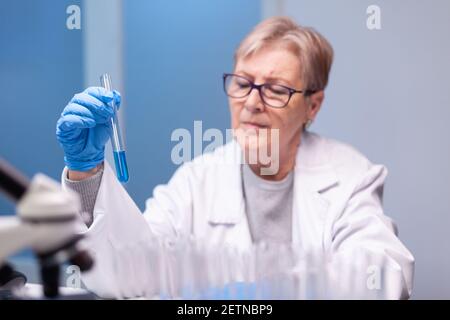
{"points": [[253, 125]]}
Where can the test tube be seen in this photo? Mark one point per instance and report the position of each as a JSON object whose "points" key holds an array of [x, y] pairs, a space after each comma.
{"points": [[116, 136]]}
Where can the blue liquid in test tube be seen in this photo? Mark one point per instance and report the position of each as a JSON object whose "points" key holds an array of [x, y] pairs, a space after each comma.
{"points": [[116, 136]]}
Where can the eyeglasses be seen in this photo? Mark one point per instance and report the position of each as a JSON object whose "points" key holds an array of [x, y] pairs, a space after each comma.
{"points": [[273, 95]]}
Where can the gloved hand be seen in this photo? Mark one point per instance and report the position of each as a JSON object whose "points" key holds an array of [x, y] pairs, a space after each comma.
{"points": [[84, 127]]}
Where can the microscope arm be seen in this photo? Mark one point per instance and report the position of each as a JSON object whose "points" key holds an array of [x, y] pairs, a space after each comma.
{"points": [[16, 235]]}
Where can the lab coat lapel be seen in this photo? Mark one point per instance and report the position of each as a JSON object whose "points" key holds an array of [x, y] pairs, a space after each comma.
{"points": [[228, 206], [227, 217], [313, 177]]}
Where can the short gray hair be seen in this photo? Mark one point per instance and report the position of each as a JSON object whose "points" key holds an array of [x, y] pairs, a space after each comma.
{"points": [[313, 50]]}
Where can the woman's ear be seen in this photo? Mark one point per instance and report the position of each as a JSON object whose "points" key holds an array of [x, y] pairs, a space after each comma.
{"points": [[315, 102]]}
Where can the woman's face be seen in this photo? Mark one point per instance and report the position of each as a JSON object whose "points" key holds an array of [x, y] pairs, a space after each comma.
{"points": [[249, 114]]}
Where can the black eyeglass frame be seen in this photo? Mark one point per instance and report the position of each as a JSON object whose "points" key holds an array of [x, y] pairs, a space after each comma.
{"points": [[258, 87]]}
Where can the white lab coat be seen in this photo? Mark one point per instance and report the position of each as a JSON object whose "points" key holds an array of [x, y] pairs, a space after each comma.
{"points": [[337, 208]]}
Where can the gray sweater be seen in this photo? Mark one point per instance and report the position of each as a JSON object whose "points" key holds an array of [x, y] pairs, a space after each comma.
{"points": [[268, 206]]}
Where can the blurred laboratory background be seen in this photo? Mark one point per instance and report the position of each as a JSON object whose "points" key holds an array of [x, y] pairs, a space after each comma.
{"points": [[389, 93]]}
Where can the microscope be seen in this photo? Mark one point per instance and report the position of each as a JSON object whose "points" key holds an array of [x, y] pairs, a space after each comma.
{"points": [[46, 222]]}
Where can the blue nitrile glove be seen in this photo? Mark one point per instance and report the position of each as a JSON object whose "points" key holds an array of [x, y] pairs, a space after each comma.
{"points": [[84, 127]]}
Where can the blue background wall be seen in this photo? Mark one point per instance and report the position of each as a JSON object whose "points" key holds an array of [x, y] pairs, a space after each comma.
{"points": [[40, 69]]}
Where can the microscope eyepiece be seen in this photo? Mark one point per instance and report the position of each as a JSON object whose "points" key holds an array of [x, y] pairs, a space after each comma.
{"points": [[12, 182]]}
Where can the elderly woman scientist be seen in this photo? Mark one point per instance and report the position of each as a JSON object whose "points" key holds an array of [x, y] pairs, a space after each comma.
{"points": [[324, 195]]}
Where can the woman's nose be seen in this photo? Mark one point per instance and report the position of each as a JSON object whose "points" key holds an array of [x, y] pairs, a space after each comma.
{"points": [[254, 102]]}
